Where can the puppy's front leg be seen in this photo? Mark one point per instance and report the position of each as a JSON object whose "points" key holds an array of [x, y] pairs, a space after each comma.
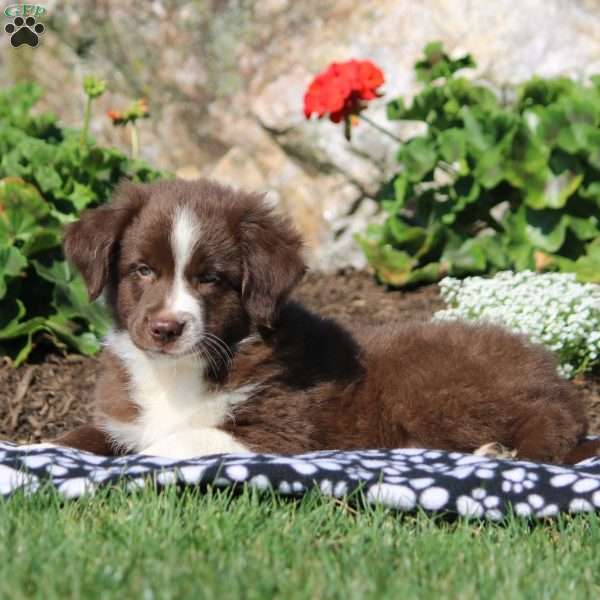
{"points": [[89, 438], [191, 442]]}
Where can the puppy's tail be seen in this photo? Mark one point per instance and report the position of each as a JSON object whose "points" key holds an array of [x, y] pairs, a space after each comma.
{"points": [[586, 449]]}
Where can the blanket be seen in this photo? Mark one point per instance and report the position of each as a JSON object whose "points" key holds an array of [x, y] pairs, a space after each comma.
{"points": [[403, 479]]}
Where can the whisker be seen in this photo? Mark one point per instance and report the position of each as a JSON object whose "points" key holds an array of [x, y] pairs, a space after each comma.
{"points": [[218, 358], [220, 342], [219, 350], [216, 352], [209, 359]]}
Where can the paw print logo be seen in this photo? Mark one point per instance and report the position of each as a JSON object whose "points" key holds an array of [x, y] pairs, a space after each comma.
{"points": [[518, 480], [24, 31]]}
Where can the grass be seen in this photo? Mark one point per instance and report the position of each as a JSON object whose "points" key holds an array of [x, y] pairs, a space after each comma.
{"points": [[187, 545]]}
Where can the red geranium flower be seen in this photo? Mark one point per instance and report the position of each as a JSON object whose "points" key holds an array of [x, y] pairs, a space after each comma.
{"points": [[115, 116], [342, 90], [136, 110]]}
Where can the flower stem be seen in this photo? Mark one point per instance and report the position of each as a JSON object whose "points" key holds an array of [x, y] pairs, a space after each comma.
{"points": [[135, 141], [86, 122], [347, 128], [447, 168], [380, 128]]}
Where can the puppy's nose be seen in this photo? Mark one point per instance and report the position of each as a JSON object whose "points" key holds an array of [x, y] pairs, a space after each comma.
{"points": [[166, 330]]}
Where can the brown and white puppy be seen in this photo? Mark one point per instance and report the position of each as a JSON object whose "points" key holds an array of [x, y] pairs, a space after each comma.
{"points": [[207, 355]]}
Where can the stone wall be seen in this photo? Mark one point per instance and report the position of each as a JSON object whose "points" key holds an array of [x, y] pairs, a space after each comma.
{"points": [[225, 80]]}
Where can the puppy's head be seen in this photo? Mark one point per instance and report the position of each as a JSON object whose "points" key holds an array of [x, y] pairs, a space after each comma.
{"points": [[186, 265]]}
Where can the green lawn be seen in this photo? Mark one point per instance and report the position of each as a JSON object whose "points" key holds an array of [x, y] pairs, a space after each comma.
{"points": [[144, 545]]}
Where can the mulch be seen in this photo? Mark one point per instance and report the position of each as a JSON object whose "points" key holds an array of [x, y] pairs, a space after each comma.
{"points": [[40, 400]]}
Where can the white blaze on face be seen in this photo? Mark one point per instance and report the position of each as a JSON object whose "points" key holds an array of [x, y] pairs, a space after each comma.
{"points": [[185, 234]]}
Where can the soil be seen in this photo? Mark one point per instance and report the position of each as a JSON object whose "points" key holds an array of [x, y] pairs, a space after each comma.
{"points": [[39, 401]]}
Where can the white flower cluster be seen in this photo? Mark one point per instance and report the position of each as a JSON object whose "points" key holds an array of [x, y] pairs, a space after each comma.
{"points": [[551, 308]]}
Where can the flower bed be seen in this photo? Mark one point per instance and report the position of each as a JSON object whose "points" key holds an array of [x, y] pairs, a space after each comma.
{"points": [[490, 184], [552, 309]]}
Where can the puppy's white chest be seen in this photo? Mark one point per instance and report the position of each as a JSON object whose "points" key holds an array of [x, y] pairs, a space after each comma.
{"points": [[172, 397]]}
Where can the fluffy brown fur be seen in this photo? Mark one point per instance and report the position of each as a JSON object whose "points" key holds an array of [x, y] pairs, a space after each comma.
{"points": [[318, 385]]}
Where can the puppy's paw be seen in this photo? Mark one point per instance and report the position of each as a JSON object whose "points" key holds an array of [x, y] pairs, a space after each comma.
{"points": [[162, 450], [39, 446], [191, 443], [495, 450]]}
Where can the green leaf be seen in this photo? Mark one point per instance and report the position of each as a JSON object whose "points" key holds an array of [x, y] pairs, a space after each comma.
{"points": [[538, 91], [546, 229], [465, 191], [436, 63], [40, 241], [587, 267], [392, 266], [418, 157], [39, 154], [12, 263], [554, 191], [404, 237], [70, 296], [430, 273], [87, 343], [17, 328], [574, 137], [22, 210], [396, 110], [432, 247], [584, 228], [495, 252], [47, 178], [593, 148], [478, 139], [489, 170], [81, 196], [514, 223], [521, 255], [592, 191], [552, 121], [470, 258], [401, 188], [526, 159], [452, 144], [426, 106]]}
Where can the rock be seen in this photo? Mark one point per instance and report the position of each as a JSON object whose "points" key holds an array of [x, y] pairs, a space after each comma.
{"points": [[225, 82], [313, 206], [239, 169], [188, 172]]}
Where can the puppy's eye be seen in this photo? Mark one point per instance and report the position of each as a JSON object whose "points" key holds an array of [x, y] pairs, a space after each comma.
{"points": [[207, 278], [144, 271]]}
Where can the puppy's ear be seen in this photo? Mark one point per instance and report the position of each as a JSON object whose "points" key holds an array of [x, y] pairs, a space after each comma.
{"points": [[90, 242], [272, 261]]}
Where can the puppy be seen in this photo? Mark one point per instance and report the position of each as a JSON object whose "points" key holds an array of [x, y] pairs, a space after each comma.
{"points": [[207, 354]]}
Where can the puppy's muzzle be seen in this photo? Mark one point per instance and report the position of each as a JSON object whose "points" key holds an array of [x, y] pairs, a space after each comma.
{"points": [[166, 330]]}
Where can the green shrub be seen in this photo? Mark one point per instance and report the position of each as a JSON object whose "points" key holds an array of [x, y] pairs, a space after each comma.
{"points": [[47, 177], [491, 185]]}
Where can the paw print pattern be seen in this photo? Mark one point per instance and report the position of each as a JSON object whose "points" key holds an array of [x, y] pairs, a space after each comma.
{"points": [[403, 479], [24, 31], [518, 480]]}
